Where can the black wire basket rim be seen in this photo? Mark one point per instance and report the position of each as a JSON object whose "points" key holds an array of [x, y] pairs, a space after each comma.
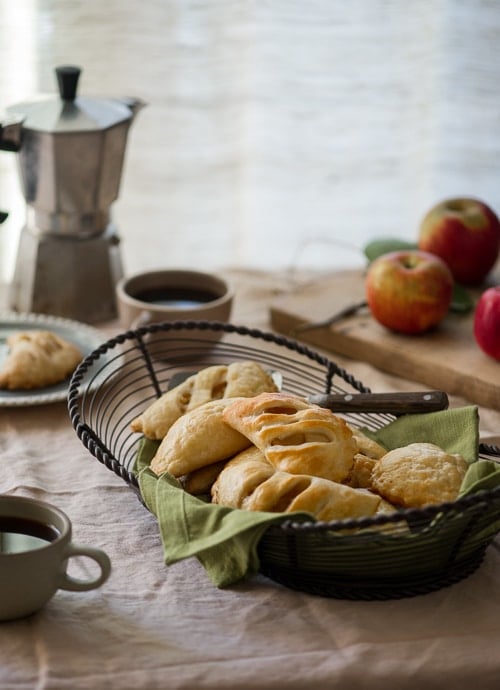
{"points": [[216, 326], [93, 444]]}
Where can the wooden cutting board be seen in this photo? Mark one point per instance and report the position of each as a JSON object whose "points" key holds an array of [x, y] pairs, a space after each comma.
{"points": [[447, 358]]}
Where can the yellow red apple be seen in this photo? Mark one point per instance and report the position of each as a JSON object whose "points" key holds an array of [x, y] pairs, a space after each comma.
{"points": [[465, 233], [408, 291], [487, 322]]}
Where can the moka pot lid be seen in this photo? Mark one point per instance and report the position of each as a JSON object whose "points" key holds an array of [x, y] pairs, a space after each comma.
{"points": [[68, 112]]}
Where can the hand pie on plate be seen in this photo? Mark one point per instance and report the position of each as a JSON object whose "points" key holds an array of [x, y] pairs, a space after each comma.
{"points": [[36, 359]]}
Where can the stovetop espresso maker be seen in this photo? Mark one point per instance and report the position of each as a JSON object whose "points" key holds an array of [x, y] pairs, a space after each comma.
{"points": [[70, 153]]}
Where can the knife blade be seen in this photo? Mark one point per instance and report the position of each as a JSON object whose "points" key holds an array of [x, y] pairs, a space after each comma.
{"points": [[393, 403]]}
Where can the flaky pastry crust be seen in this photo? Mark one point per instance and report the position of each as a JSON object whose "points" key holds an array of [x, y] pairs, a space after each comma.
{"points": [[198, 438], [294, 436], [366, 445], [211, 383], [36, 359], [249, 482], [419, 474]]}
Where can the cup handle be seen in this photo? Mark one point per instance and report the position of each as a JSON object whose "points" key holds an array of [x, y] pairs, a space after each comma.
{"points": [[75, 585]]}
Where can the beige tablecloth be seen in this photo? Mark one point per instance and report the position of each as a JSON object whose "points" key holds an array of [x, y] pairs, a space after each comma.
{"points": [[152, 627]]}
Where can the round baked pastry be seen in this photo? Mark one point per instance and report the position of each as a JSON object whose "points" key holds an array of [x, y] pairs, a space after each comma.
{"points": [[417, 475]]}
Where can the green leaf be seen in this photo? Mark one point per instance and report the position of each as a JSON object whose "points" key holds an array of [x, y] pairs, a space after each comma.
{"points": [[376, 248], [461, 301]]}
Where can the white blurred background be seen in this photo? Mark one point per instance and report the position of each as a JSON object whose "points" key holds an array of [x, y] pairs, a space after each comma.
{"points": [[278, 132]]}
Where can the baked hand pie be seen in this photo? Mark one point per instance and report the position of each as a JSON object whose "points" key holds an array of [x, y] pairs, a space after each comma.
{"points": [[366, 445], [37, 358], [245, 378], [197, 439], [199, 482], [197, 389], [249, 482], [294, 436], [418, 474], [361, 472], [240, 477]]}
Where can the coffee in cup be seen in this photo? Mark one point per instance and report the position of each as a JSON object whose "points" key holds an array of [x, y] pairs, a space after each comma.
{"points": [[172, 295], [35, 544]]}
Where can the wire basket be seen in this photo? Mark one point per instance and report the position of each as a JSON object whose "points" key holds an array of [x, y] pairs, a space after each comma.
{"points": [[402, 554]]}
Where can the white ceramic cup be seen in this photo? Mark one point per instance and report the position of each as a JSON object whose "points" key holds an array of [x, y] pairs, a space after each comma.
{"points": [[172, 295], [35, 545]]}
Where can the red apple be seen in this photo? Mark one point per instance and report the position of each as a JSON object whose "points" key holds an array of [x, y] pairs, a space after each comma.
{"points": [[408, 291], [487, 322], [465, 233]]}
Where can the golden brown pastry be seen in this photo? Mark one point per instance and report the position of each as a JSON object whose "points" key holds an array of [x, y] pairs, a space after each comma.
{"points": [[295, 436], [199, 482], [211, 383], [249, 482], [36, 359], [418, 475], [360, 475], [246, 379], [240, 477], [196, 390], [198, 438], [366, 445], [331, 501]]}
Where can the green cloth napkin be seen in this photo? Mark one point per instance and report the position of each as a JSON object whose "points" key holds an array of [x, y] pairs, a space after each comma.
{"points": [[455, 430], [225, 540]]}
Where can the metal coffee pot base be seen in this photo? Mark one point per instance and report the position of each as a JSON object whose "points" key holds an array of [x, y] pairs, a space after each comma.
{"points": [[65, 276]]}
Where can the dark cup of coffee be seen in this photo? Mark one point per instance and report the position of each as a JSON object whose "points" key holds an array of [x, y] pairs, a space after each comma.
{"points": [[35, 544], [173, 295]]}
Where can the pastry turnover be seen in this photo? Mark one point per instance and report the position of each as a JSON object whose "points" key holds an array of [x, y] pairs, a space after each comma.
{"points": [[249, 482], [211, 383], [294, 436], [36, 359], [197, 439], [418, 475], [361, 473], [369, 451], [240, 477], [199, 482], [275, 452], [366, 445]]}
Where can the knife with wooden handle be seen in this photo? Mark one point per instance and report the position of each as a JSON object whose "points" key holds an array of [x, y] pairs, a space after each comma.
{"points": [[390, 403], [393, 403]]}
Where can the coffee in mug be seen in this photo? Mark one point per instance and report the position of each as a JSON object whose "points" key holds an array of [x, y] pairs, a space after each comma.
{"points": [[35, 545], [173, 295]]}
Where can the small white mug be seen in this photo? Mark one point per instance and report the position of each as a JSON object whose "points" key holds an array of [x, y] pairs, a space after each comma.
{"points": [[35, 545]]}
